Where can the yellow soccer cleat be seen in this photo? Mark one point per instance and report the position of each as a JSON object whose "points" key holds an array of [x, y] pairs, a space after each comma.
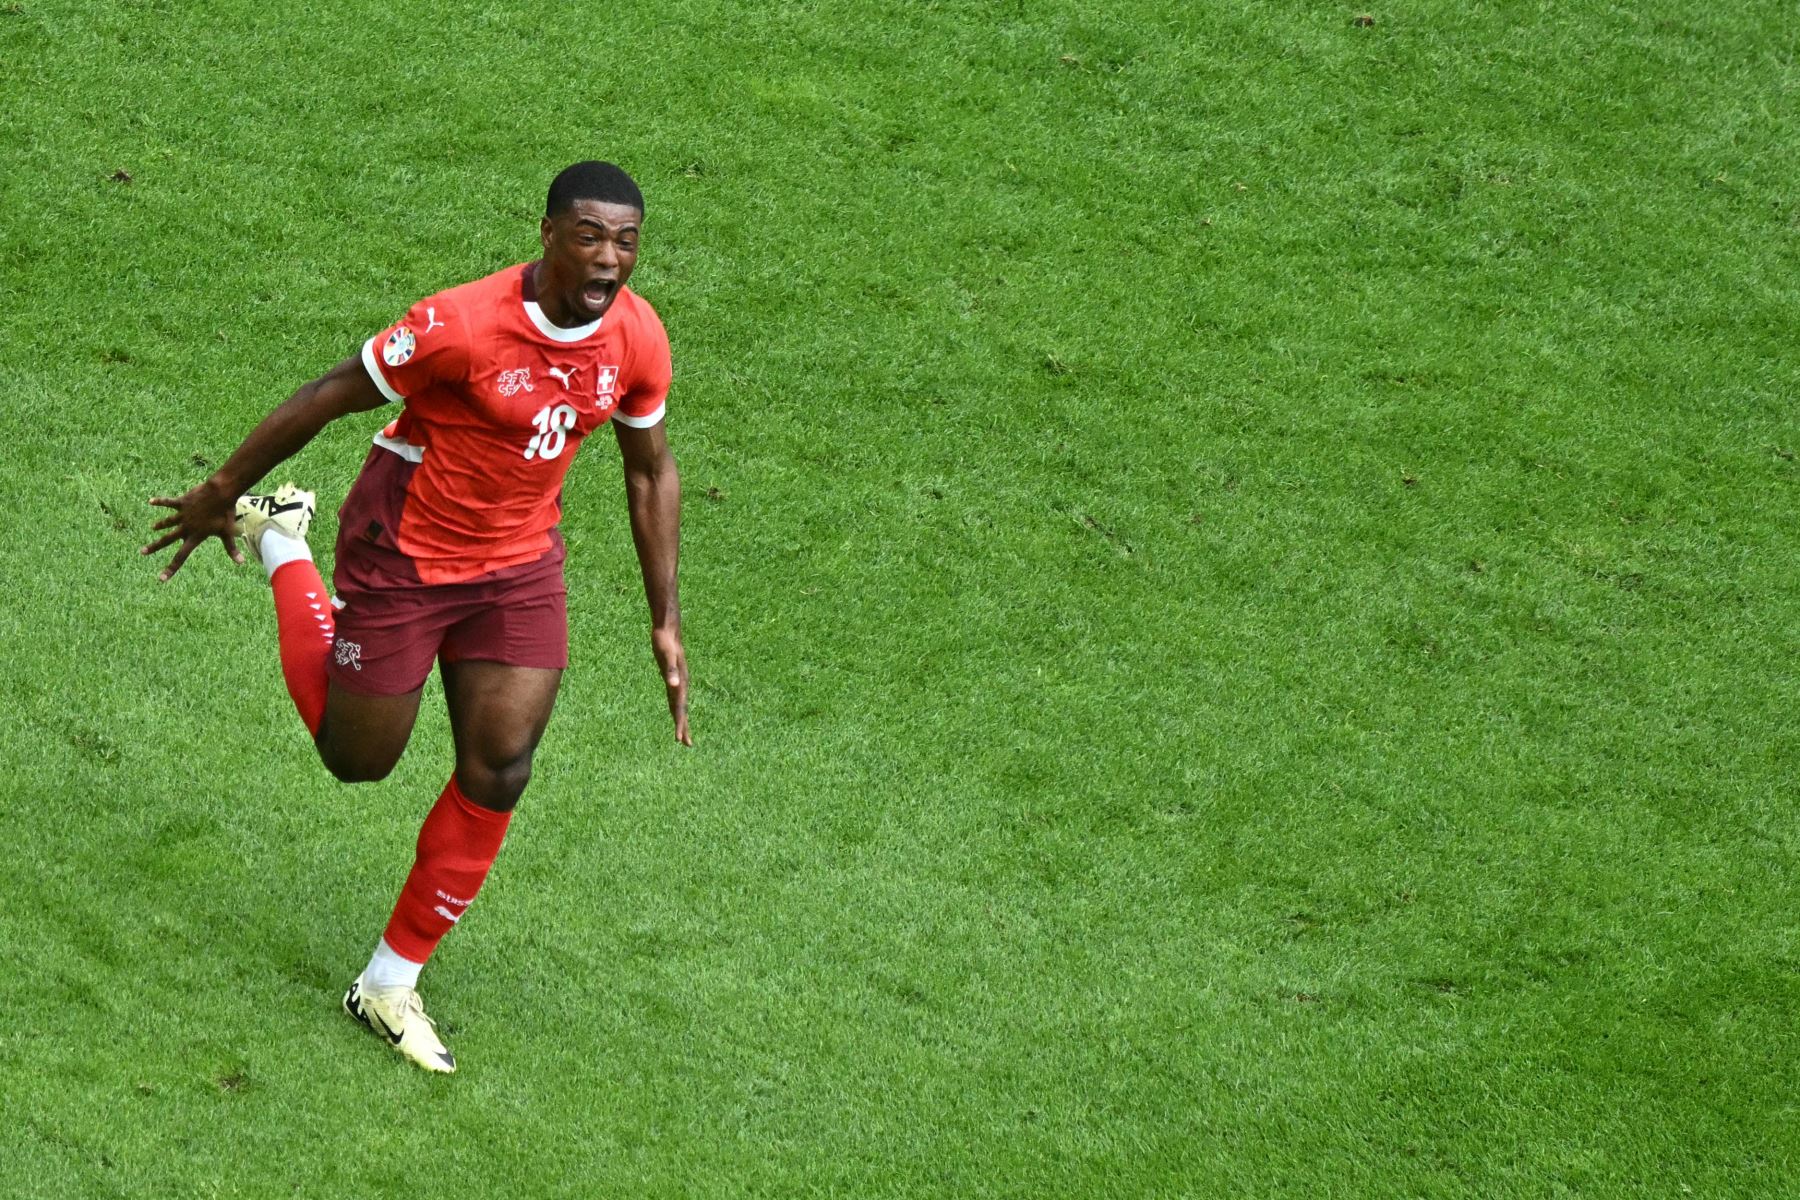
{"points": [[288, 512], [397, 1014]]}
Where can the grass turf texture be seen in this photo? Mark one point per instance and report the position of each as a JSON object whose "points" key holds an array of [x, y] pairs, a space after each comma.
{"points": [[1238, 569]]}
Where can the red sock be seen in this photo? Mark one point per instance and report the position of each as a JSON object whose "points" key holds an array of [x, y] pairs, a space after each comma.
{"points": [[457, 845], [303, 623]]}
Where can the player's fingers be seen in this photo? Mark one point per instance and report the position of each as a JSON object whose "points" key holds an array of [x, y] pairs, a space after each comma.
{"points": [[231, 548], [181, 556], [678, 704], [165, 502], [167, 522], [167, 539]]}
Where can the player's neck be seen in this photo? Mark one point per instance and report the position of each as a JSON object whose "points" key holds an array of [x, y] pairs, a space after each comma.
{"points": [[556, 310]]}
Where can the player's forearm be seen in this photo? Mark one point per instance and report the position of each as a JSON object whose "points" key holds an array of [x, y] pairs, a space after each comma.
{"points": [[295, 422], [654, 498], [277, 438]]}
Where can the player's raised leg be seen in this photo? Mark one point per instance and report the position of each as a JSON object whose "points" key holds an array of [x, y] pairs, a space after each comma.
{"points": [[498, 714], [359, 737], [274, 530]]}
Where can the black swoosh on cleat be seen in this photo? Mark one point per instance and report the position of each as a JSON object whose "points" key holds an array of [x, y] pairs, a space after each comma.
{"points": [[353, 1005], [381, 1026]]}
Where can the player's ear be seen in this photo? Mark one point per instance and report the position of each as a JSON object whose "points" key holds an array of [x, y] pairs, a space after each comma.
{"points": [[544, 234]]}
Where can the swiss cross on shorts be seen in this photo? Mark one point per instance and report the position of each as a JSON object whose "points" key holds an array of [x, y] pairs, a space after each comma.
{"points": [[608, 377]]}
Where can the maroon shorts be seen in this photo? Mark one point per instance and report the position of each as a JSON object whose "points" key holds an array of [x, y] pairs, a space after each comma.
{"points": [[389, 630]]}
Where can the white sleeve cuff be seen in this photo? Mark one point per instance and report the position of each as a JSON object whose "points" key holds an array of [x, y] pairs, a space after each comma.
{"points": [[374, 370], [643, 422]]}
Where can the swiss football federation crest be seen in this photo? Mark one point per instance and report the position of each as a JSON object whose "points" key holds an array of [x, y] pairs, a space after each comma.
{"points": [[514, 382], [349, 654], [399, 347]]}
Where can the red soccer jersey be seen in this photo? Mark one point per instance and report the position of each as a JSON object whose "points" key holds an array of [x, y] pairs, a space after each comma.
{"points": [[468, 479]]}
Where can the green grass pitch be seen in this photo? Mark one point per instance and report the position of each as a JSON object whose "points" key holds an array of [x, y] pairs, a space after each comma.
{"points": [[1239, 568]]}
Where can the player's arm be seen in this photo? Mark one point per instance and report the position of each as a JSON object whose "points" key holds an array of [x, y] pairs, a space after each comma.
{"points": [[653, 495], [207, 510]]}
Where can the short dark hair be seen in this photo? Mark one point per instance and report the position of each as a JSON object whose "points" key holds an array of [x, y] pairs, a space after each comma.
{"points": [[602, 181]]}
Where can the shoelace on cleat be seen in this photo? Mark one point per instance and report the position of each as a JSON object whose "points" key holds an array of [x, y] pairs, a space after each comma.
{"points": [[416, 1006]]}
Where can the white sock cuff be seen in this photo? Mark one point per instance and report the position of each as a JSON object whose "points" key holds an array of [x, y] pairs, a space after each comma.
{"points": [[389, 968], [278, 550]]}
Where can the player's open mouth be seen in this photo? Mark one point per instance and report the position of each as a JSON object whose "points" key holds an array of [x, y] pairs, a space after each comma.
{"points": [[596, 292]]}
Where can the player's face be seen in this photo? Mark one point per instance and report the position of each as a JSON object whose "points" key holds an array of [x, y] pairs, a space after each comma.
{"points": [[589, 251]]}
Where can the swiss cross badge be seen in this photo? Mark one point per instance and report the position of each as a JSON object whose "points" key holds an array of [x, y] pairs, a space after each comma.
{"points": [[514, 382], [607, 379]]}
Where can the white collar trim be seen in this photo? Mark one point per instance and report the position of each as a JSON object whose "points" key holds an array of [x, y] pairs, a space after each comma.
{"points": [[557, 333]]}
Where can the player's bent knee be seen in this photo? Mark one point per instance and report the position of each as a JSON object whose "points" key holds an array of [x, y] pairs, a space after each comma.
{"points": [[494, 785], [362, 737], [359, 772], [355, 768]]}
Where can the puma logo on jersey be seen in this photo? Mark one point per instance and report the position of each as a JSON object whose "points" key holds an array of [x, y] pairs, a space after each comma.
{"points": [[431, 321], [564, 377]]}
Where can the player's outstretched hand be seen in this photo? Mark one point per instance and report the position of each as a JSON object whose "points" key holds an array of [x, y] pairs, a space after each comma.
{"points": [[199, 514], [671, 660]]}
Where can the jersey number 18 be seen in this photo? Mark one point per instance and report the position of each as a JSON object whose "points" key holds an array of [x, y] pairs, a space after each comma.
{"points": [[553, 425]]}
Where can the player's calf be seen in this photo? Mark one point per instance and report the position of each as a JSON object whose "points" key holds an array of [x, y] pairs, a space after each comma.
{"points": [[456, 848]]}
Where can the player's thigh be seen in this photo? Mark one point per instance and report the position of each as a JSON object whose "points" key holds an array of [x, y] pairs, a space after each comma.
{"points": [[386, 641], [502, 665], [363, 735], [498, 711]]}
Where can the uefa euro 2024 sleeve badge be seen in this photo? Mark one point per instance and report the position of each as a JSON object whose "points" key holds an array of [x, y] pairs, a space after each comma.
{"points": [[399, 347]]}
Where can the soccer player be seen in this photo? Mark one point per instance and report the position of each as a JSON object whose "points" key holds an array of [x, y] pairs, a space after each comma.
{"points": [[447, 545]]}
